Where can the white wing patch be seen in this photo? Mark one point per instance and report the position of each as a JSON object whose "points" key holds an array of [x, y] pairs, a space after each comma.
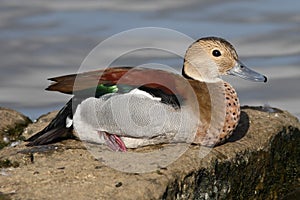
{"points": [[146, 94], [69, 122]]}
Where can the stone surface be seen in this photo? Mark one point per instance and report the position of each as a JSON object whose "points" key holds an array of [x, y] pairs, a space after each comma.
{"points": [[260, 161], [39, 124], [11, 126]]}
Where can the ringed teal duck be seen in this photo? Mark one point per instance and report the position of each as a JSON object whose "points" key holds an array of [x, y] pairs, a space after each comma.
{"points": [[205, 61]]}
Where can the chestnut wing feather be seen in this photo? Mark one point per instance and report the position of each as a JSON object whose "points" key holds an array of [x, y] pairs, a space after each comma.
{"points": [[146, 77]]}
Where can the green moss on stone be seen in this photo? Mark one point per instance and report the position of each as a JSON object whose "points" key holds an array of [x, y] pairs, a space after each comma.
{"points": [[7, 163], [13, 133], [4, 196]]}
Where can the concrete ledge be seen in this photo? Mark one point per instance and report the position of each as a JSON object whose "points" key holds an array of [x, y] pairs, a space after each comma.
{"points": [[261, 161]]}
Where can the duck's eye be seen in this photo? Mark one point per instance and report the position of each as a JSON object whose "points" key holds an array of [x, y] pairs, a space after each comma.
{"points": [[216, 53]]}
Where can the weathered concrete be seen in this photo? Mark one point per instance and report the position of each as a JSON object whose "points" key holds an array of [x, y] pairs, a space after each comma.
{"points": [[261, 161]]}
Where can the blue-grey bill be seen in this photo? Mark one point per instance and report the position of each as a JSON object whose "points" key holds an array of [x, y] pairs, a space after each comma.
{"points": [[244, 72]]}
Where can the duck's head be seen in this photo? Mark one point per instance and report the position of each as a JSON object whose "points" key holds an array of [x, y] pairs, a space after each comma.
{"points": [[209, 58]]}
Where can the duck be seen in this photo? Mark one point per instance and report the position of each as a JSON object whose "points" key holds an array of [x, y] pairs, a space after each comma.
{"points": [[199, 84]]}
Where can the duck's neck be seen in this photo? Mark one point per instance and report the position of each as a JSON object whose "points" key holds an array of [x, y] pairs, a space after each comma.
{"points": [[184, 74]]}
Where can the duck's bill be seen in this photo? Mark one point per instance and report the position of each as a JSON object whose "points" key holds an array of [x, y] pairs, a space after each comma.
{"points": [[244, 72]]}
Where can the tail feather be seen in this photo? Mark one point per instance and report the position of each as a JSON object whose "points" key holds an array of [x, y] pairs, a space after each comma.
{"points": [[50, 136], [56, 129]]}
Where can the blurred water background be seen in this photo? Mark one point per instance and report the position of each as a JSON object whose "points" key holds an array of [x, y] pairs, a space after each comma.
{"points": [[41, 39]]}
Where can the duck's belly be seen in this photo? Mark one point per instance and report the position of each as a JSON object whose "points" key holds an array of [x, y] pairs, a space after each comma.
{"points": [[141, 142], [137, 120]]}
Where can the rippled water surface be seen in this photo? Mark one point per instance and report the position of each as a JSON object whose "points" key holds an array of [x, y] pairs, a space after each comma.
{"points": [[41, 39]]}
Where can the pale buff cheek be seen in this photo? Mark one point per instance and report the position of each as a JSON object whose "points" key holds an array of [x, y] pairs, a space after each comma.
{"points": [[225, 65]]}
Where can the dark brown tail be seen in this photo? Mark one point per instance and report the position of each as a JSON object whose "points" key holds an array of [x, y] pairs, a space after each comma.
{"points": [[56, 129]]}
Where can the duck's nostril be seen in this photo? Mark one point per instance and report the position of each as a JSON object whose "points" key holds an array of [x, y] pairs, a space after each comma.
{"points": [[266, 79]]}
